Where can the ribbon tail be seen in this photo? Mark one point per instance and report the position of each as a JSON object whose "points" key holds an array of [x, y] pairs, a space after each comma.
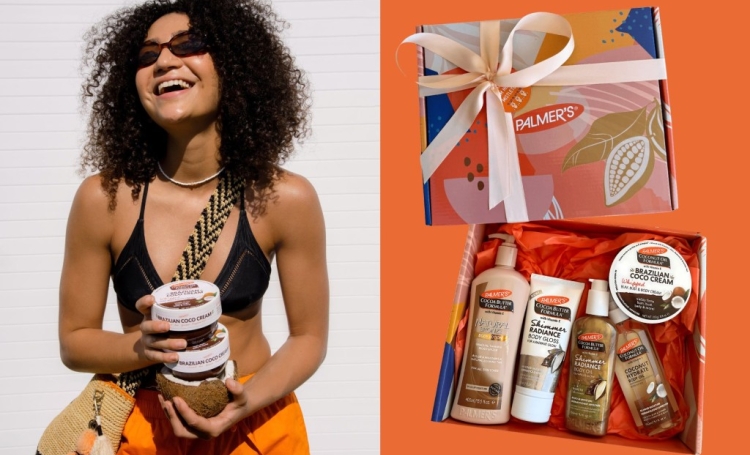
{"points": [[505, 184], [452, 132]]}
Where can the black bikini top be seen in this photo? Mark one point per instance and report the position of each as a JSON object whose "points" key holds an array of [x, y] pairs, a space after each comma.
{"points": [[242, 281]]}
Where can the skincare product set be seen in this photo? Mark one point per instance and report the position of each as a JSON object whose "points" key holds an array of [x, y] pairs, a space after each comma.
{"points": [[192, 308], [523, 337]]}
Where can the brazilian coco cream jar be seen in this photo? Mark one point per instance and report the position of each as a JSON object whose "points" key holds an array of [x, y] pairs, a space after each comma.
{"points": [[204, 360], [650, 281], [192, 308]]}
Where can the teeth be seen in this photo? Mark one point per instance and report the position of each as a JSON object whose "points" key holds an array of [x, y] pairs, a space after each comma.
{"points": [[166, 84]]}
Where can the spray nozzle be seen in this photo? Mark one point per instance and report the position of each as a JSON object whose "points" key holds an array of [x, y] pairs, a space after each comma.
{"points": [[598, 302]]}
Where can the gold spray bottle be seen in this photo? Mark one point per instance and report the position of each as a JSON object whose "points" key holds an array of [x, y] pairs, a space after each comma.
{"points": [[592, 364]]}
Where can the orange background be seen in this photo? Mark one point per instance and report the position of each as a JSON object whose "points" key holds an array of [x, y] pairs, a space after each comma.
{"points": [[420, 263]]}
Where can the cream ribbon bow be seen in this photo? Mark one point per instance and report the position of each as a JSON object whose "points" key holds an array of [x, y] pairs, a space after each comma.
{"points": [[487, 74]]}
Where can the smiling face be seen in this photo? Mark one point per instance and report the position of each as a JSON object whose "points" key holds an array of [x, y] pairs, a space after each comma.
{"points": [[178, 92]]}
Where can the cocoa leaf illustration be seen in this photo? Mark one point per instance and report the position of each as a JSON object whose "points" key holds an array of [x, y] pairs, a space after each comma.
{"points": [[656, 132], [604, 134]]}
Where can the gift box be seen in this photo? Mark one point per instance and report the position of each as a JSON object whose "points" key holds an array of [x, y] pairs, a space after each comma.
{"points": [[578, 251], [573, 122]]}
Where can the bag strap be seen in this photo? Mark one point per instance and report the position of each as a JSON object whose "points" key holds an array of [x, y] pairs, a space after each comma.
{"points": [[199, 246], [203, 238]]}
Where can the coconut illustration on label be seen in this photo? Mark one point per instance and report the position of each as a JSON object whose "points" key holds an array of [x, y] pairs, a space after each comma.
{"points": [[597, 388], [554, 360], [650, 281]]}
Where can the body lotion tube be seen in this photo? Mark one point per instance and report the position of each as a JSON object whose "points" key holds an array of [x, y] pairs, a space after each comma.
{"points": [[551, 310]]}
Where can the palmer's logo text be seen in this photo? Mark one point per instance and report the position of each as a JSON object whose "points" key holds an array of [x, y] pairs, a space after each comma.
{"points": [[652, 251], [553, 300], [590, 336], [499, 294], [183, 285], [628, 346], [546, 117], [482, 414]]}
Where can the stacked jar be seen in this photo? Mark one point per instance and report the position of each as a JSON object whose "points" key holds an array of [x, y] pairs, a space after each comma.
{"points": [[192, 308]]}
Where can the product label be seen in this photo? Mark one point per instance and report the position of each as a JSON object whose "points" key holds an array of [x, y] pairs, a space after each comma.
{"points": [[641, 383], [544, 341], [591, 342], [187, 305], [487, 351], [496, 300], [591, 369], [184, 303], [650, 281], [205, 356]]}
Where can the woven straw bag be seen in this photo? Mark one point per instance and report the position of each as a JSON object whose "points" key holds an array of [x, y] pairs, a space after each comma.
{"points": [[114, 405]]}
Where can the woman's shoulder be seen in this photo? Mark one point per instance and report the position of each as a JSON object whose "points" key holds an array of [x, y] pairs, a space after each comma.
{"points": [[293, 204], [90, 216], [93, 200], [292, 189], [92, 195], [93, 192]]}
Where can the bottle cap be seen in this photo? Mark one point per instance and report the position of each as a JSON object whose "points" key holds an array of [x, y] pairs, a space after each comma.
{"points": [[507, 252], [531, 409], [598, 301], [616, 315]]}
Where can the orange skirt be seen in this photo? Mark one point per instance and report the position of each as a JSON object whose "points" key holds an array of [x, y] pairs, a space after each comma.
{"points": [[276, 429]]}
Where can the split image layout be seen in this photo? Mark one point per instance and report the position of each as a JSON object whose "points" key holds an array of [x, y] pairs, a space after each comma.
{"points": [[361, 226]]}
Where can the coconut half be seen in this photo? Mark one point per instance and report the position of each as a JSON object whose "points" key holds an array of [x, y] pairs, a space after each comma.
{"points": [[650, 387], [678, 302], [207, 397], [661, 391], [557, 362], [599, 390]]}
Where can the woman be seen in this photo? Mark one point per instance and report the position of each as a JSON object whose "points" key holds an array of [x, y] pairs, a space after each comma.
{"points": [[185, 95]]}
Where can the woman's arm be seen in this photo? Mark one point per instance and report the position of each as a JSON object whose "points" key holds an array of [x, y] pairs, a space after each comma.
{"points": [[297, 222], [84, 346]]}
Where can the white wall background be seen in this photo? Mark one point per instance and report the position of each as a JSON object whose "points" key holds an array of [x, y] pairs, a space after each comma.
{"points": [[41, 132]]}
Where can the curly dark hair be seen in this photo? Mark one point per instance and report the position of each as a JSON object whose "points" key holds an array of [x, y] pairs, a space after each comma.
{"points": [[264, 100]]}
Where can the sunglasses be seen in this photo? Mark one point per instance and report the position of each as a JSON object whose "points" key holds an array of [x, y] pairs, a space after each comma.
{"points": [[183, 44]]}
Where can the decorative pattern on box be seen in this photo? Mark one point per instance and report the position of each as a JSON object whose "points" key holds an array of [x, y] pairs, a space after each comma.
{"points": [[583, 150]]}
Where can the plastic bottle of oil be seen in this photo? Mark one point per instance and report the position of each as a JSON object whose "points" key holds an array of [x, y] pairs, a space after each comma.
{"points": [[592, 365], [641, 376]]}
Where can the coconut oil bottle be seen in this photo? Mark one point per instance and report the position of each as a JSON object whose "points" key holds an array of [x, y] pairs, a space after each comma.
{"points": [[592, 364], [641, 377]]}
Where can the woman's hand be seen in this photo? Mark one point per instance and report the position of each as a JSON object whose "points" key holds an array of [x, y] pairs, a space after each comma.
{"points": [[187, 424], [153, 335]]}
